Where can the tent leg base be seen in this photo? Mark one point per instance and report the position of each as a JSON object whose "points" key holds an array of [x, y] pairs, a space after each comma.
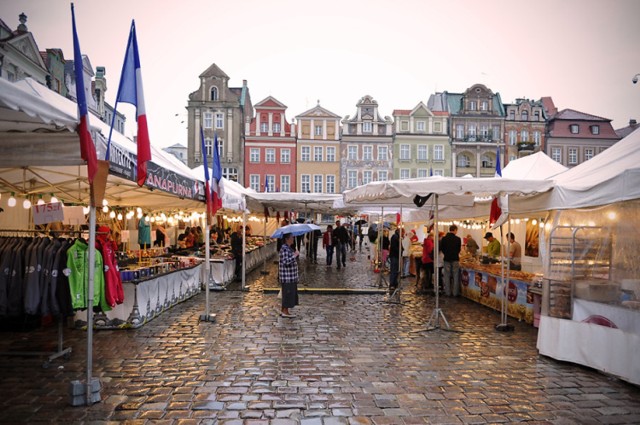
{"points": [[211, 318], [504, 327]]}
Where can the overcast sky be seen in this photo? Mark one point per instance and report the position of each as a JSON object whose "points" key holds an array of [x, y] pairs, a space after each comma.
{"points": [[583, 53]]}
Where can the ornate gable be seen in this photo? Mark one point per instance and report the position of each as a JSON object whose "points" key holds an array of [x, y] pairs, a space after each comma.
{"points": [[270, 103], [26, 45]]}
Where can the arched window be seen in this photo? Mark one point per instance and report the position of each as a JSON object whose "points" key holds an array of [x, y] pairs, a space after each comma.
{"points": [[464, 161], [525, 115], [487, 161], [214, 93]]}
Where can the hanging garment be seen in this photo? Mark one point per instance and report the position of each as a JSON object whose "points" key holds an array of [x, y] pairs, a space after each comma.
{"points": [[78, 274]]}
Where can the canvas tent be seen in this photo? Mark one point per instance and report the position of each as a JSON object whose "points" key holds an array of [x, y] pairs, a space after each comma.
{"points": [[537, 166], [40, 154]]}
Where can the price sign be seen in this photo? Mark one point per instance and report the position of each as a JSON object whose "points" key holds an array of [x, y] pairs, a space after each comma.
{"points": [[47, 213]]}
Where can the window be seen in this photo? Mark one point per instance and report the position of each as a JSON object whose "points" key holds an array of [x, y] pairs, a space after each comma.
{"points": [[352, 153], [473, 105], [420, 126], [438, 152], [318, 130], [512, 115], [230, 173], [524, 136], [352, 179], [214, 93], [305, 153], [486, 161], [556, 154], [405, 152], [208, 120], [513, 137], [367, 127], [285, 183], [208, 146], [254, 155], [220, 148], [367, 176], [317, 183], [536, 115], [264, 127], [219, 120], [595, 129], [525, 116], [270, 182], [383, 153], [512, 158], [437, 127], [575, 128], [536, 138], [276, 127], [472, 132], [496, 132], [438, 172], [422, 152], [367, 153], [254, 182], [459, 131], [331, 183], [285, 156], [484, 131], [422, 172], [383, 176], [484, 106], [589, 153], [573, 156], [305, 183], [463, 161], [317, 153], [331, 154], [404, 125], [405, 173], [270, 155]]}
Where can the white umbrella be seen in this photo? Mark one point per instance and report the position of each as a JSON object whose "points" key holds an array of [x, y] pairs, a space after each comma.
{"points": [[296, 229]]}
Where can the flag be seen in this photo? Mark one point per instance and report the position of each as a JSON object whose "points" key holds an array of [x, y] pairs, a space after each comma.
{"points": [[130, 91], [207, 188], [216, 178], [496, 215], [266, 183], [87, 148]]}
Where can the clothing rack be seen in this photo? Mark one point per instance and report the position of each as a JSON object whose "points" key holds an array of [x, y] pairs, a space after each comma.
{"points": [[61, 351]]}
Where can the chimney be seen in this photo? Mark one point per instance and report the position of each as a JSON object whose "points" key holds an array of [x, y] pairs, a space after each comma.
{"points": [[633, 122], [244, 83]]}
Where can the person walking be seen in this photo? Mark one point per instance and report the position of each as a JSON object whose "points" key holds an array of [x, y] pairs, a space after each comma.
{"points": [[327, 243], [395, 249], [237, 251], [288, 275], [427, 265], [312, 244], [450, 245], [341, 240], [406, 253]]}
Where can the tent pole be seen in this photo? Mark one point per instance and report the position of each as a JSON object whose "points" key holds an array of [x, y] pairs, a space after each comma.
{"points": [[504, 326], [89, 393], [207, 317], [244, 248], [264, 238]]}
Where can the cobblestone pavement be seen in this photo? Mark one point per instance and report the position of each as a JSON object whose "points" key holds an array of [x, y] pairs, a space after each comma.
{"points": [[345, 359]]}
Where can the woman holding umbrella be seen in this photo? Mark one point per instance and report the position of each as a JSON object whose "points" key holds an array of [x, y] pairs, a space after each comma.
{"points": [[288, 275]]}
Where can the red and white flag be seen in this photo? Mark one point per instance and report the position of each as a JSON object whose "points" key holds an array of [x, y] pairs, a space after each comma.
{"points": [[499, 212]]}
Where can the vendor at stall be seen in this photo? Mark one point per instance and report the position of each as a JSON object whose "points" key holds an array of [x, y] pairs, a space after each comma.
{"points": [[493, 249], [515, 253]]}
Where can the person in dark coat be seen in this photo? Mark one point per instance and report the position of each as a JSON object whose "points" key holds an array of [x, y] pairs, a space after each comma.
{"points": [[395, 249], [288, 275], [236, 250], [450, 246]]}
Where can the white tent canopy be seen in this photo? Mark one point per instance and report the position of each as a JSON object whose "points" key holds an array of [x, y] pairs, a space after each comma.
{"points": [[537, 166], [40, 153], [301, 202]]}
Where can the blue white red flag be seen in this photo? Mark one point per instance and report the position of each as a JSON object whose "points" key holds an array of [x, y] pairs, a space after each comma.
{"points": [[216, 179], [207, 188], [87, 148], [266, 183], [130, 91]]}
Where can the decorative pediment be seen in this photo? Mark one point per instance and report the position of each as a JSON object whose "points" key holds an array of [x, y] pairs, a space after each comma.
{"points": [[26, 45], [270, 103], [318, 111]]}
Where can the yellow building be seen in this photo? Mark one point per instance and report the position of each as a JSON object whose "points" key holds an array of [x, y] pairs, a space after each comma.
{"points": [[318, 151]]}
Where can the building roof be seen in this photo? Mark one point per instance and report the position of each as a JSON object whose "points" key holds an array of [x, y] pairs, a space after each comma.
{"points": [[318, 111], [402, 112], [573, 115], [625, 131], [213, 70]]}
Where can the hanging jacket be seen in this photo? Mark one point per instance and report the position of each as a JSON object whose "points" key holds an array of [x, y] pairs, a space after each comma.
{"points": [[114, 293], [78, 273]]}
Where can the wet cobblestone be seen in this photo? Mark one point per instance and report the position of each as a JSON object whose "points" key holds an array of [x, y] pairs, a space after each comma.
{"points": [[345, 359]]}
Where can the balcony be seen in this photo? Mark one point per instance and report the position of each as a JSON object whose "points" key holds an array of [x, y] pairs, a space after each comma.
{"points": [[526, 146]]}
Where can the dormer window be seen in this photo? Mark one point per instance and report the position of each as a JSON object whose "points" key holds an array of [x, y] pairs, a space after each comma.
{"points": [[473, 105], [595, 129], [214, 93], [484, 106], [575, 128], [525, 115], [367, 127]]}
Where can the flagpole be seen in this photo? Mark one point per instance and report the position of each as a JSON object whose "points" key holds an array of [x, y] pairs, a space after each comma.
{"points": [[90, 292], [207, 317]]}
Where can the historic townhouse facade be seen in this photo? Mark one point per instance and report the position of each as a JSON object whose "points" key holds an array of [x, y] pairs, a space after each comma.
{"points": [[366, 147], [574, 137], [270, 149], [476, 126], [223, 111], [19, 54], [318, 151], [524, 128], [421, 143]]}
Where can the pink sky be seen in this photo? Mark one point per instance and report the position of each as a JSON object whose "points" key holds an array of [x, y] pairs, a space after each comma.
{"points": [[583, 53]]}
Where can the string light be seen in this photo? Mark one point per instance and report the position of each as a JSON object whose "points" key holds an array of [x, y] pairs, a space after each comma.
{"points": [[40, 200], [26, 204], [112, 214], [53, 198], [120, 216], [12, 200], [105, 209]]}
